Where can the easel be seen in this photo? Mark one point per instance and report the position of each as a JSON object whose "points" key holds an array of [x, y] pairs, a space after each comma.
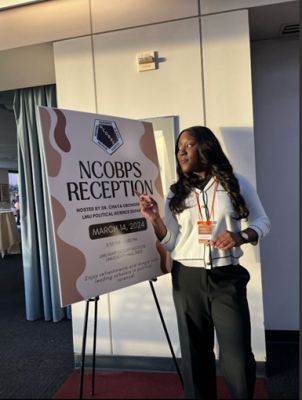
{"points": [[95, 300]]}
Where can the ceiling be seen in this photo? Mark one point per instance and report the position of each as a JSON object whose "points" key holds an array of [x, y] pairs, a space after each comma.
{"points": [[5, 4], [266, 21], [265, 24]]}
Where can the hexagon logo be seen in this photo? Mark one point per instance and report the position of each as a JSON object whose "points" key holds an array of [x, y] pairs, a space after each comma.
{"points": [[107, 136]]}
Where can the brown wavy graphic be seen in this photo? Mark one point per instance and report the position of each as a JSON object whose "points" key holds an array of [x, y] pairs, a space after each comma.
{"points": [[60, 133], [147, 145], [53, 167], [72, 260]]}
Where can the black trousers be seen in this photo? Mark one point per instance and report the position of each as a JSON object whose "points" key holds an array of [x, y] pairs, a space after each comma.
{"points": [[208, 299]]}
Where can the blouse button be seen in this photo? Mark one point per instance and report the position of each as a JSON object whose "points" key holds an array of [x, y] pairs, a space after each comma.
{"points": [[209, 263]]}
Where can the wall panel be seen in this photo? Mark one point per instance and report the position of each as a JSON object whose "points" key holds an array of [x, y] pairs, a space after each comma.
{"points": [[117, 14], [229, 113], [275, 72], [44, 22], [75, 74], [76, 91], [17, 69], [175, 88]]}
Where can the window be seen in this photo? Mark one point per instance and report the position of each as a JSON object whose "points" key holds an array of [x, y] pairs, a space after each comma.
{"points": [[13, 185]]}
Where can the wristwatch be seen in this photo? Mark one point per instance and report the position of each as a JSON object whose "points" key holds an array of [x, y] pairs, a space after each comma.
{"points": [[244, 236]]}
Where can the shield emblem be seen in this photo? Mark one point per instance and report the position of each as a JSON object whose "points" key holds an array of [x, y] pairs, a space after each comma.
{"points": [[107, 136]]}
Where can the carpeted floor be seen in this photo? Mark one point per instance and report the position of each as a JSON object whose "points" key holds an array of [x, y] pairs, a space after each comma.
{"points": [[37, 357], [138, 385], [282, 370]]}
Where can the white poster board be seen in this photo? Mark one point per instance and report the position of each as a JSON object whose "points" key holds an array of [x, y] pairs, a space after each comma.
{"points": [[93, 164]]}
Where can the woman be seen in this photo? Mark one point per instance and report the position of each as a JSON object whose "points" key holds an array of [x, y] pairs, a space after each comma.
{"points": [[202, 230]]}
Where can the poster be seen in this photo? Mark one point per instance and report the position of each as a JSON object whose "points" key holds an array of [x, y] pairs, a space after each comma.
{"points": [[93, 165]]}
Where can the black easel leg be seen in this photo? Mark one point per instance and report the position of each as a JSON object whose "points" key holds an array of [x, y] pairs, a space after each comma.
{"points": [[83, 349], [166, 332], [96, 299]]}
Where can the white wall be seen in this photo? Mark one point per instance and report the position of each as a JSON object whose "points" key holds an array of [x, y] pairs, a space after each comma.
{"points": [[27, 67], [173, 89], [229, 113], [65, 19], [76, 91], [133, 325], [176, 88], [43, 23], [116, 14], [75, 74], [53, 20], [275, 73]]}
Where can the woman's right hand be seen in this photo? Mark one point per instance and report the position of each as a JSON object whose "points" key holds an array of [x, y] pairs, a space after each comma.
{"points": [[149, 209]]}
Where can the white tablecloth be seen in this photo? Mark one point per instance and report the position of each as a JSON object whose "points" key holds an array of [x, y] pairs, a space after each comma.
{"points": [[9, 234]]}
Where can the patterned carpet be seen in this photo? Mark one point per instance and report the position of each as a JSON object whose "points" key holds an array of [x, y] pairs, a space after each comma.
{"points": [[37, 357]]}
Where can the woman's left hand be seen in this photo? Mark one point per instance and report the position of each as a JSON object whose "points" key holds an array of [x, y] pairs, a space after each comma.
{"points": [[226, 240]]}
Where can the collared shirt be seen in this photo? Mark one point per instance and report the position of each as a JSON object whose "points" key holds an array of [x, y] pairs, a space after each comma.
{"points": [[182, 235]]}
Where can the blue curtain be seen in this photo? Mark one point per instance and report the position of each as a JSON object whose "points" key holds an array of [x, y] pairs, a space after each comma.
{"points": [[42, 294]]}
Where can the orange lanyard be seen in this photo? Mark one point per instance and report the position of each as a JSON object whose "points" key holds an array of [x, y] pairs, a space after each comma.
{"points": [[198, 205]]}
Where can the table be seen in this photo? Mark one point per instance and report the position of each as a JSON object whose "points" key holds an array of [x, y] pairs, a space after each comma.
{"points": [[9, 234]]}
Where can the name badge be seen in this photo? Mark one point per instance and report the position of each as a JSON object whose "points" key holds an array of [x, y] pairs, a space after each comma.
{"points": [[204, 231]]}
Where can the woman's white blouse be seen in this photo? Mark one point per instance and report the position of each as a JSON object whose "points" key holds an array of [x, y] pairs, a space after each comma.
{"points": [[182, 235]]}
